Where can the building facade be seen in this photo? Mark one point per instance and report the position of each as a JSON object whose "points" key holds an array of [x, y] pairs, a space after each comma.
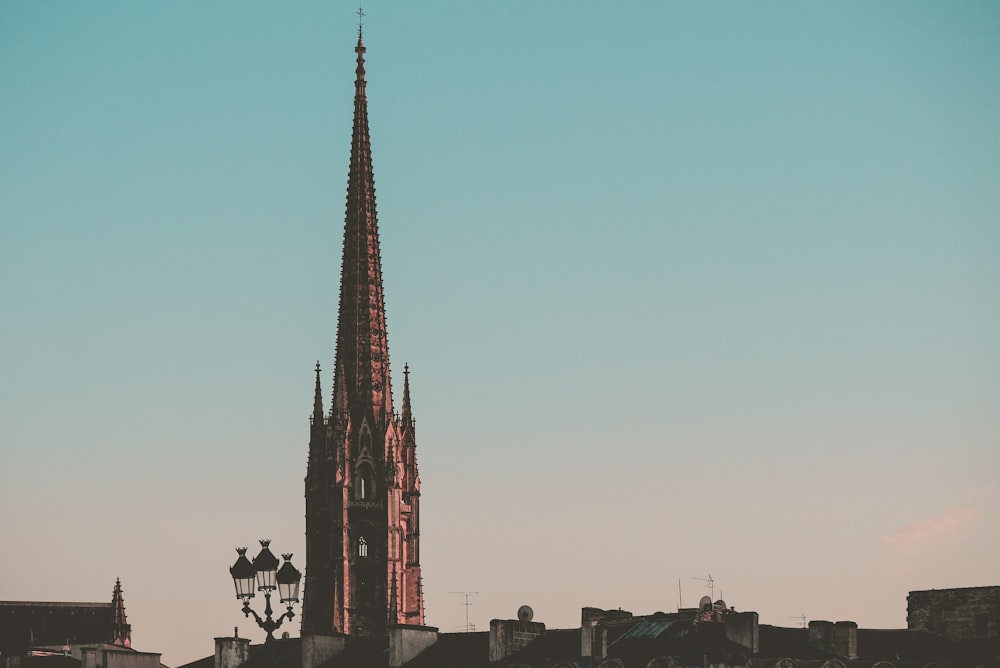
{"points": [[362, 488]]}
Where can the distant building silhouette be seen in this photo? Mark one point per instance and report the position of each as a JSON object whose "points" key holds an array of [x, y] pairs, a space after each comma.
{"points": [[711, 635], [362, 487], [36, 634], [25, 625]]}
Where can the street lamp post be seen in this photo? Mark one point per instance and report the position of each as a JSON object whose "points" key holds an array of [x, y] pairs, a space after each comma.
{"points": [[264, 569]]}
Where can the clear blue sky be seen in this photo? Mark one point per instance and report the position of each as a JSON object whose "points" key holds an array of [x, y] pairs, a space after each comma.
{"points": [[685, 288]]}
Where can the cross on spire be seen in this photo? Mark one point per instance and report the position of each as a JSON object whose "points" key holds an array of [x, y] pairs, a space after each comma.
{"points": [[361, 19]]}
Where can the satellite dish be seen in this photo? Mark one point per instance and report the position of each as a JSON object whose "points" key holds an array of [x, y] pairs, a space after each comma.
{"points": [[525, 613], [705, 603], [720, 605]]}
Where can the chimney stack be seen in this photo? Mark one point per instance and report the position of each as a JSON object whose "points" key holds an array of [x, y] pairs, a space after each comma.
{"points": [[845, 639], [231, 652], [593, 639], [406, 642], [743, 627], [317, 649], [509, 635]]}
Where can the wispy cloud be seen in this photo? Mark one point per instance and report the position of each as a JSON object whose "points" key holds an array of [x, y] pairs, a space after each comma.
{"points": [[929, 529]]}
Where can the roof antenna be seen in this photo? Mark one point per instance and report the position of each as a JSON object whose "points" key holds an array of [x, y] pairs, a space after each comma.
{"points": [[468, 627], [711, 583], [361, 19]]}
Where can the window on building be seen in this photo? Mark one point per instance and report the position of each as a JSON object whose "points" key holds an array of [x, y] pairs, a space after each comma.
{"points": [[362, 547], [366, 483]]}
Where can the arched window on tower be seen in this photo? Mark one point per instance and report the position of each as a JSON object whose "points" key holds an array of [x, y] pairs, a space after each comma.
{"points": [[362, 547]]}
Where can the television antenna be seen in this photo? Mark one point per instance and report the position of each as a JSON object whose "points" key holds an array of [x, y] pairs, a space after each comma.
{"points": [[468, 604], [801, 618], [710, 586]]}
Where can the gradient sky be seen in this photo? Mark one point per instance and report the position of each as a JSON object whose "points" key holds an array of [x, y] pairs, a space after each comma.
{"points": [[685, 288]]}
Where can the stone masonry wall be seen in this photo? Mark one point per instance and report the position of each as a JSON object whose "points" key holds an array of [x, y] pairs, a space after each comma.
{"points": [[956, 614], [509, 635]]}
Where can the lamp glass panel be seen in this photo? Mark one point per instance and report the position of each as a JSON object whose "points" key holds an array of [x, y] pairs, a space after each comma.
{"points": [[289, 592], [244, 587], [265, 580]]}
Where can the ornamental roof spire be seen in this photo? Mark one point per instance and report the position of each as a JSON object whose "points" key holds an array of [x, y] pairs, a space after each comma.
{"points": [[122, 629], [362, 368], [407, 416], [318, 399]]}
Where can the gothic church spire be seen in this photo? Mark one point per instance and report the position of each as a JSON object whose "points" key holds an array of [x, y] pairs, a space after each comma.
{"points": [[362, 347], [362, 489]]}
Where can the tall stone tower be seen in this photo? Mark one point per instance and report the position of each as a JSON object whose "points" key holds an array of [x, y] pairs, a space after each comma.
{"points": [[362, 487]]}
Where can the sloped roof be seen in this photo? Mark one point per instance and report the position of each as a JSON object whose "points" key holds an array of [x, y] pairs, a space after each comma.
{"points": [[553, 645], [23, 623], [206, 662], [682, 638], [284, 653], [779, 641], [53, 661], [370, 652], [455, 649], [905, 644]]}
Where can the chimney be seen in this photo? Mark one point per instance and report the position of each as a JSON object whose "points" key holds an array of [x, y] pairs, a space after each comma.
{"points": [[231, 652], [742, 627], [593, 639], [845, 639], [317, 649], [406, 642], [821, 634], [509, 635]]}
